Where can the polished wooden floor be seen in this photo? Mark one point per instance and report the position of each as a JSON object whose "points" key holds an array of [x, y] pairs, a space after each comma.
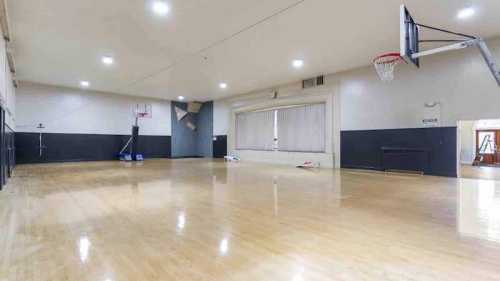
{"points": [[480, 172], [208, 220]]}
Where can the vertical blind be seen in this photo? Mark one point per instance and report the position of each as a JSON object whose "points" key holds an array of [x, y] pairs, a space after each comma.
{"points": [[302, 128], [255, 130]]}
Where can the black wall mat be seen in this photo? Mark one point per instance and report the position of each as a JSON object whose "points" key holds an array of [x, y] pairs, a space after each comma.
{"points": [[433, 150], [187, 143], [11, 156], [83, 147], [220, 146], [184, 140], [205, 131], [7, 159]]}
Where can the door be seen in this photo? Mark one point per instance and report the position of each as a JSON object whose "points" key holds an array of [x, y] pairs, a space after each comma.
{"points": [[487, 146]]}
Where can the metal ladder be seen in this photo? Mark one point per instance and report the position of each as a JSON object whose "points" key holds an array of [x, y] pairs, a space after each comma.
{"points": [[487, 142]]}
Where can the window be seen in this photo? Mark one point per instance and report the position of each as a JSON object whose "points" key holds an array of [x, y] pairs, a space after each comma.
{"points": [[295, 128], [255, 130], [302, 128]]}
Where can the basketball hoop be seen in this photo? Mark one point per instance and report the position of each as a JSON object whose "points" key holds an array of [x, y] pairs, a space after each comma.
{"points": [[143, 111], [385, 64]]}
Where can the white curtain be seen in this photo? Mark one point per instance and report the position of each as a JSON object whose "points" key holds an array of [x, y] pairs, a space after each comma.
{"points": [[255, 130], [302, 128]]}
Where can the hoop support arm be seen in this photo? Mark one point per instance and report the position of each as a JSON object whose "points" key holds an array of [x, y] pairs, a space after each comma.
{"points": [[451, 47], [485, 52], [490, 60]]}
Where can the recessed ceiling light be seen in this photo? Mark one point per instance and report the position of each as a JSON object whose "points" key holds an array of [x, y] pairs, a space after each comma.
{"points": [[298, 63], [107, 60], [223, 85], [85, 84], [180, 98], [160, 8], [466, 13]]}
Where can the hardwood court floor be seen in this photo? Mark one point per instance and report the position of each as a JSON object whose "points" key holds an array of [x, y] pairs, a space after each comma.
{"points": [[207, 220], [480, 172]]}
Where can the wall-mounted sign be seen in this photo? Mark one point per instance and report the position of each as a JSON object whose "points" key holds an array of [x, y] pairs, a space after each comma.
{"points": [[432, 114]]}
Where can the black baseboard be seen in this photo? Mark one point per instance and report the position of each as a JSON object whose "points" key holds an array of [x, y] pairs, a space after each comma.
{"points": [[433, 150], [186, 157], [83, 147]]}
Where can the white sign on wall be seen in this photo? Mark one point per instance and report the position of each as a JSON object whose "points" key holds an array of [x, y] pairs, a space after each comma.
{"points": [[432, 114]]}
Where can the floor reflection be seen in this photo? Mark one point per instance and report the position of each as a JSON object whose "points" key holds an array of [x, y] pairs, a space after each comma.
{"points": [[479, 209], [207, 220], [84, 247]]}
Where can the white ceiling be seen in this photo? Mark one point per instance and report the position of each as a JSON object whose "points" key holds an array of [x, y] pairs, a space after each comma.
{"points": [[247, 43]]}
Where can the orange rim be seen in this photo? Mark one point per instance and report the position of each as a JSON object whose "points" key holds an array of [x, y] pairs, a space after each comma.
{"points": [[395, 58]]}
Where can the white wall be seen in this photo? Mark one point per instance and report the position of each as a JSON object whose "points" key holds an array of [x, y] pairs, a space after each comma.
{"points": [[459, 80], [66, 110], [7, 90], [222, 113], [288, 95], [467, 142]]}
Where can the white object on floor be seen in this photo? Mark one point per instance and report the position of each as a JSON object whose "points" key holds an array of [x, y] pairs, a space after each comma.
{"points": [[308, 165], [230, 158]]}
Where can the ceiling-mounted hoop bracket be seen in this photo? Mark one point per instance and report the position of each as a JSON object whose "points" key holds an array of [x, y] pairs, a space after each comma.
{"points": [[410, 43], [477, 42]]}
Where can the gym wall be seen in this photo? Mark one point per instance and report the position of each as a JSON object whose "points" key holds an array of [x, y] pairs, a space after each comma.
{"points": [[291, 94], [84, 125], [459, 81], [7, 116], [221, 117], [368, 111], [192, 143]]}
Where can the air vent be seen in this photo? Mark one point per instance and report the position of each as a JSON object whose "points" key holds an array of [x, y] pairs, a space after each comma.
{"points": [[320, 80], [313, 82], [308, 83]]}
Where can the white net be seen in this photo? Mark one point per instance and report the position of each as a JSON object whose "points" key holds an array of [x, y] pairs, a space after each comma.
{"points": [[143, 111], [385, 64]]}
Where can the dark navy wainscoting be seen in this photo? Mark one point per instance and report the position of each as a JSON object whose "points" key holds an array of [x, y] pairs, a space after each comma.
{"points": [[220, 146], [205, 130], [432, 149], [83, 147]]}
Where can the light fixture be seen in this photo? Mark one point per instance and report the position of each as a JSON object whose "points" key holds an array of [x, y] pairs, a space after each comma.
{"points": [[298, 63], [223, 85], [160, 8], [466, 13], [85, 84], [107, 60], [180, 97]]}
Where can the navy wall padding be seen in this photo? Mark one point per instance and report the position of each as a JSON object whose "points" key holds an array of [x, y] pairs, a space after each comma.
{"points": [[220, 146], [59, 147], [184, 140], [205, 130], [434, 150], [189, 143]]}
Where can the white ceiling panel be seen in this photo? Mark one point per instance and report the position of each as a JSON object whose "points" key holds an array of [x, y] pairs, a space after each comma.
{"points": [[248, 44]]}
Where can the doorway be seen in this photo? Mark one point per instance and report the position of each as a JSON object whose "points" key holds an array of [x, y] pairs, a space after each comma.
{"points": [[480, 149], [487, 147]]}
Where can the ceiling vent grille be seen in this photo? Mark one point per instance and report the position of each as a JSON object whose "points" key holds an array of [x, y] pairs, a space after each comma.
{"points": [[313, 82]]}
